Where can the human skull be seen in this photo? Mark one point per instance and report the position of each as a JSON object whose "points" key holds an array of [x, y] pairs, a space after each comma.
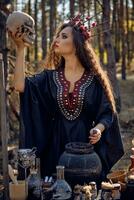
{"points": [[20, 25]]}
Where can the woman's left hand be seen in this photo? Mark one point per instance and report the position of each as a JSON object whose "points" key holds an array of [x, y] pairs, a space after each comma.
{"points": [[95, 135]]}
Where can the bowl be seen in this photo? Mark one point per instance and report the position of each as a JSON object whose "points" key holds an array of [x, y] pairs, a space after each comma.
{"points": [[118, 175]]}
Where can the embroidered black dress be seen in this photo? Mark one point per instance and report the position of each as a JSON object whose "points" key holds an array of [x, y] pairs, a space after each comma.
{"points": [[51, 117]]}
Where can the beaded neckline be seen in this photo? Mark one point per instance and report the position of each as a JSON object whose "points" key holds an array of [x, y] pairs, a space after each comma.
{"points": [[71, 106], [75, 83]]}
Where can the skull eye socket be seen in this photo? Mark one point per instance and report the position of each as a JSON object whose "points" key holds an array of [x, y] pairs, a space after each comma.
{"points": [[29, 24], [30, 34], [22, 29]]}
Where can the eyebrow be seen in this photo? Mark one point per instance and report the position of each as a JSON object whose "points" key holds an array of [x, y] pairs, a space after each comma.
{"points": [[64, 33]]}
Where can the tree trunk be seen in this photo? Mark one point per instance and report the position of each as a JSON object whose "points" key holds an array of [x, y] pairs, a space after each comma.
{"points": [[29, 12], [52, 18], [72, 2], [123, 39], [99, 40], [88, 7], [132, 31], [116, 32], [36, 32], [82, 6], [127, 36], [44, 29], [111, 65], [63, 9], [4, 131]]}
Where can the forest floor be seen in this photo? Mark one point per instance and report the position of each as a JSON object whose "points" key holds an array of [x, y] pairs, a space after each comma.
{"points": [[126, 117]]}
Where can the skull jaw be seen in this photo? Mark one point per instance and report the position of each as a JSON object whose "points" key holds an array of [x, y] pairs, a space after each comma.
{"points": [[28, 35], [28, 41]]}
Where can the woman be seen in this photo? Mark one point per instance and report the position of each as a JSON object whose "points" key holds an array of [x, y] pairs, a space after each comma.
{"points": [[68, 103]]}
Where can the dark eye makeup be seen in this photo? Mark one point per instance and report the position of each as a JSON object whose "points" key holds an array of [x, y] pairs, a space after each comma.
{"points": [[63, 35]]}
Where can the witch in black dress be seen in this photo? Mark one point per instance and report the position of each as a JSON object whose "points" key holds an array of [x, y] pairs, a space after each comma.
{"points": [[65, 104]]}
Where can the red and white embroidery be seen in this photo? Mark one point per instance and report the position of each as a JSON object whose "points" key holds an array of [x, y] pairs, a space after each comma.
{"points": [[71, 104]]}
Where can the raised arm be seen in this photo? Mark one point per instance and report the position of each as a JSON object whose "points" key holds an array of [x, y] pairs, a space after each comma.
{"points": [[19, 72], [20, 28]]}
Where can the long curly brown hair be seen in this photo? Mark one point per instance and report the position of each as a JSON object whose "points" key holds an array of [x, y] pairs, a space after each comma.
{"points": [[87, 58]]}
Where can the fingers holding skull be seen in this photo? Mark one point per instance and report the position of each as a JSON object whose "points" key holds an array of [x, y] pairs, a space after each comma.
{"points": [[18, 41]]}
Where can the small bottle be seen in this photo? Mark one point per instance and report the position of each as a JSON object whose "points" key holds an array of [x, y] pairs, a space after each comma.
{"points": [[106, 193], [93, 190], [34, 182], [61, 189], [77, 194], [83, 196], [116, 191]]}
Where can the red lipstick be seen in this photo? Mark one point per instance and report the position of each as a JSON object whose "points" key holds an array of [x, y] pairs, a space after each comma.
{"points": [[56, 44]]}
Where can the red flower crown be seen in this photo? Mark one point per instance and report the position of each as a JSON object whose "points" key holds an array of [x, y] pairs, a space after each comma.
{"points": [[79, 23]]}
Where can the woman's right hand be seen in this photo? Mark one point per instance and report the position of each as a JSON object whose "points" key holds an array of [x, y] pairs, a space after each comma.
{"points": [[18, 41], [95, 135]]}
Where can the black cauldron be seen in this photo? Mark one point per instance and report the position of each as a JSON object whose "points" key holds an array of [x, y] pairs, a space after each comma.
{"points": [[82, 164]]}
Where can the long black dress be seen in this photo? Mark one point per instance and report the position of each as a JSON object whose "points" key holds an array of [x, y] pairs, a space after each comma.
{"points": [[51, 117]]}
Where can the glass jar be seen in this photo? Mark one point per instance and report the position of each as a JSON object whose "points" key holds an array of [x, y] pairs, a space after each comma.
{"points": [[106, 194], [93, 190], [116, 191], [34, 182], [61, 189]]}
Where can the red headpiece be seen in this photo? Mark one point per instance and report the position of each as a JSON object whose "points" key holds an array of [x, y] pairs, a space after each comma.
{"points": [[79, 23]]}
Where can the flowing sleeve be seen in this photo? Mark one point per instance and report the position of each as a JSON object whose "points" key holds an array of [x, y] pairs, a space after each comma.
{"points": [[35, 112], [110, 147], [104, 112]]}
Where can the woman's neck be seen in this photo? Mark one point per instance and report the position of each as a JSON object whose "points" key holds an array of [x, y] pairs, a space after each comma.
{"points": [[72, 64]]}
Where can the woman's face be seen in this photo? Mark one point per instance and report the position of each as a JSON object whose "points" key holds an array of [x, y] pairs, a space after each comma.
{"points": [[63, 42]]}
